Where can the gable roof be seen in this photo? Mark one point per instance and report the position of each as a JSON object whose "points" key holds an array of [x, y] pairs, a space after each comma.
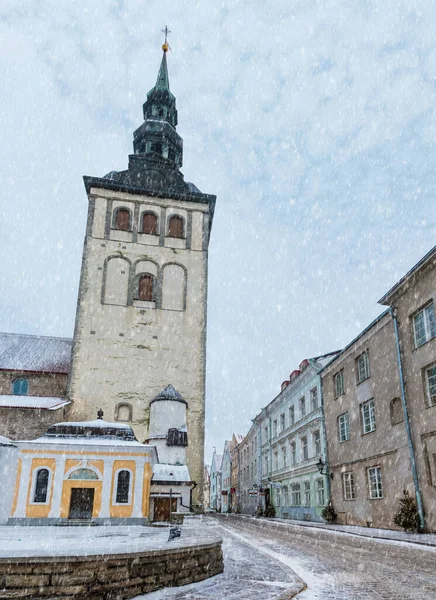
{"points": [[37, 402], [37, 353], [218, 462], [408, 278]]}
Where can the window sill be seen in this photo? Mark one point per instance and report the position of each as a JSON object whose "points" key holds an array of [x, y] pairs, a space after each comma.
{"points": [[363, 380], [380, 498], [344, 441], [423, 344], [144, 304], [367, 432]]}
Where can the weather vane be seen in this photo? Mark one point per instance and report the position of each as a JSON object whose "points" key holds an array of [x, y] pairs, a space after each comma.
{"points": [[165, 45]]}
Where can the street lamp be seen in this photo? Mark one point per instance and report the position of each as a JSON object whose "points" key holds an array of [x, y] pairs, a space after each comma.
{"points": [[323, 468]]}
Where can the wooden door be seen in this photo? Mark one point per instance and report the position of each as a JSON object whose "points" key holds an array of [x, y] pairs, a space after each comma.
{"points": [[162, 508], [82, 503]]}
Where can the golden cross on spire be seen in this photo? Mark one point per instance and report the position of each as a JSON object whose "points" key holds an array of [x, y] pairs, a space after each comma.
{"points": [[165, 45]]}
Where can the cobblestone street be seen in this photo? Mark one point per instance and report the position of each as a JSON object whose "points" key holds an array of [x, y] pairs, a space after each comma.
{"points": [[259, 562]]}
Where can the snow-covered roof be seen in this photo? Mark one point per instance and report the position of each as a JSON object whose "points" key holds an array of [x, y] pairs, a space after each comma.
{"points": [[169, 393], [4, 441], [20, 352], [92, 441], [42, 402], [94, 430], [238, 437], [164, 472], [99, 423]]}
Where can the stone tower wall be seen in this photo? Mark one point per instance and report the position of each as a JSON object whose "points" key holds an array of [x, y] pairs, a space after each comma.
{"points": [[127, 350]]}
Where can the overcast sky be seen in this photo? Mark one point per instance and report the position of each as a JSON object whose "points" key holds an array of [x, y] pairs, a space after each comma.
{"points": [[313, 121]]}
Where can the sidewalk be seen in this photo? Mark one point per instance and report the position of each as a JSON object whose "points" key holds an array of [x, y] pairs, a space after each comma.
{"points": [[424, 539]]}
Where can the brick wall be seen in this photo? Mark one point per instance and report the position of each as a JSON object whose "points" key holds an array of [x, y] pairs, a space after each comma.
{"points": [[109, 577], [40, 384]]}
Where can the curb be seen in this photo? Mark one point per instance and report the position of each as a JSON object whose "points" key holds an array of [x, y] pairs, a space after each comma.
{"points": [[314, 526]]}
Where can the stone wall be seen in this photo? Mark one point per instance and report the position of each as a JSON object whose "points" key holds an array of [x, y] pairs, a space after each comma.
{"points": [[29, 423], [109, 577], [40, 384]]}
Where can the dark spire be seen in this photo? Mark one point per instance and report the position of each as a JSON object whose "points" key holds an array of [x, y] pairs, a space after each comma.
{"points": [[163, 81]]}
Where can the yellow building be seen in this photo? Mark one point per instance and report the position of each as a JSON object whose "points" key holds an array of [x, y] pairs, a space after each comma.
{"points": [[83, 470]]}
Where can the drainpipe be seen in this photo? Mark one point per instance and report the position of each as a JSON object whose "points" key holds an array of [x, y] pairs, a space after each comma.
{"points": [[393, 312], [239, 479], [324, 433]]}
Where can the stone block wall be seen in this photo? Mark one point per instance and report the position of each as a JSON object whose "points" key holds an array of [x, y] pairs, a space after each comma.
{"points": [[109, 577], [29, 423]]}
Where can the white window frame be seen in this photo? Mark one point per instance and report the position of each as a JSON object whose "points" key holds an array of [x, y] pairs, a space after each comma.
{"points": [[304, 448], [277, 495], [339, 389], [371, 415], [316, 440], [431, 402], [275, 429], [348, 486], [282, 422], [320, 488], [314, 399], [307, 493], [302, 406], [344, 427], [293, 452], [363, 370], [295, 493], [375, 483], [292, 415], [33, 488], [114, 491], [285, 495], [284, 457], [276, 461], [428, 321]]}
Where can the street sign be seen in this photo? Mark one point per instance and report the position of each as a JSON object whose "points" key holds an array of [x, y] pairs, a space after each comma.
{"points": [[252, 492]]}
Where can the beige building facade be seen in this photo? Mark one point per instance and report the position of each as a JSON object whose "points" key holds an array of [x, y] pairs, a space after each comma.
{"points": [[413, 303], [368, 454], [141, 315]]}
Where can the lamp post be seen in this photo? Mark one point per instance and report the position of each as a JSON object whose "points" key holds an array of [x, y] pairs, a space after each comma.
{"points": [[323, 468]]}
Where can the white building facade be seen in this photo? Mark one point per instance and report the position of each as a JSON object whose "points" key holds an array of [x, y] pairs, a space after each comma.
{"points": [[293, 442]]}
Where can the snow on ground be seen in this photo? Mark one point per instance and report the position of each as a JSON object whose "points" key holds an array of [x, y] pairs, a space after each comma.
{"points": [[249, 573], [91, 540]]}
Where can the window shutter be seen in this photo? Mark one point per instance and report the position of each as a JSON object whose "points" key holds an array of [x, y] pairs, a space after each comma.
{"points": [[176, 227], [123, 220], [149, 223], [145, 288]]}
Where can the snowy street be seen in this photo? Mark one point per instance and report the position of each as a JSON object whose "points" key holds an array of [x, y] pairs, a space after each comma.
{"points": [[270, 566]]}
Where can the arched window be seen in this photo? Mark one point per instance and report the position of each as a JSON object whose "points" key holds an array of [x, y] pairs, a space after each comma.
{"points": [[145, 287], [41, 486], [175, 228], [20, 387], [123, 412], [122, 219], [86, 474], [396, 411], [149, 223], [123, 487]]}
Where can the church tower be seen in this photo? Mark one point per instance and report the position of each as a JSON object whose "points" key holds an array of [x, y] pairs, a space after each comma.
{"points": [[142, 305]]}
